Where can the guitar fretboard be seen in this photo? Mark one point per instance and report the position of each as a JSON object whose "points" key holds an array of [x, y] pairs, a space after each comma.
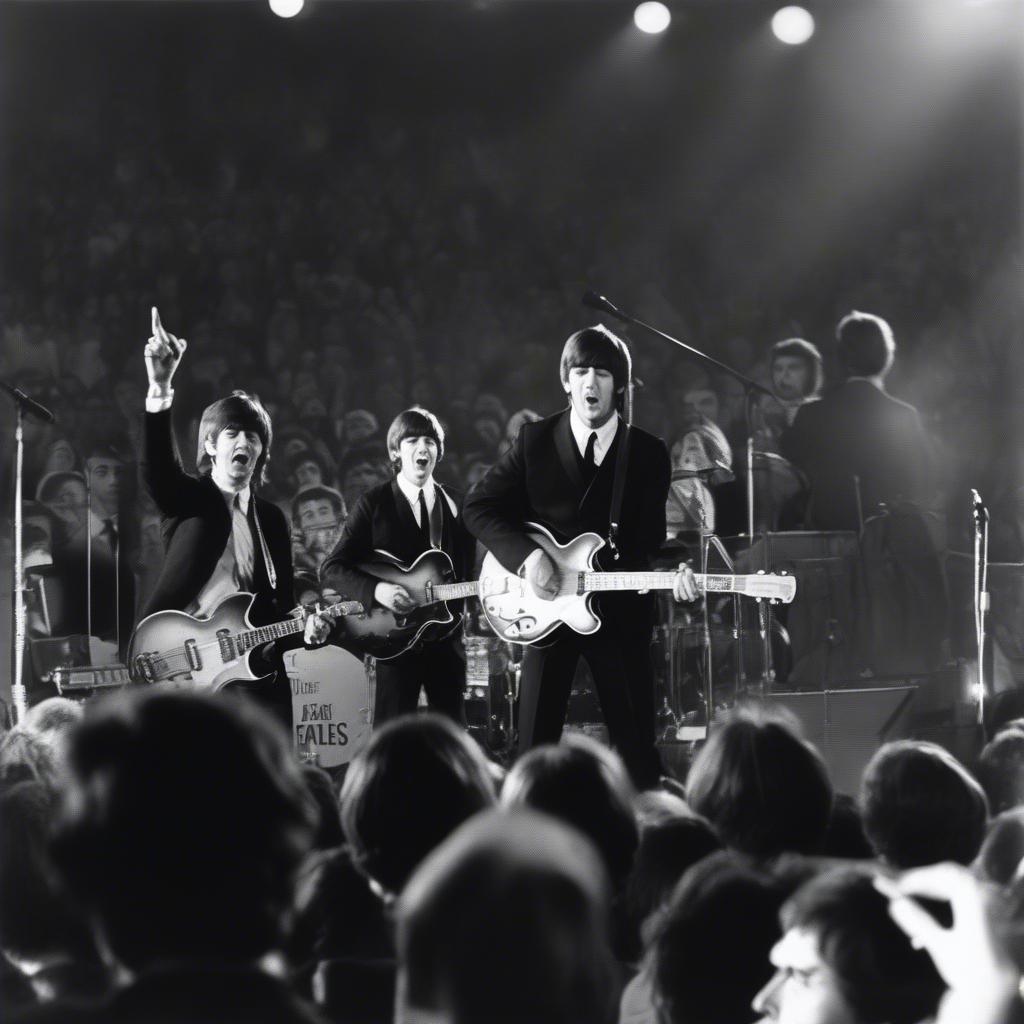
{"points": [[590, 581], [453, 591], [250, 638]]}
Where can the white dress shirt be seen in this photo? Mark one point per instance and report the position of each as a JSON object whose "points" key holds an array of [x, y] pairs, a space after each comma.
{"points": [[222, 582], [605, 436]]}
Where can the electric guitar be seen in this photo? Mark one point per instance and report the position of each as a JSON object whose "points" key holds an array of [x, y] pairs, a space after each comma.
{"points": [[518, 615], [430, 582], [209, 653]]}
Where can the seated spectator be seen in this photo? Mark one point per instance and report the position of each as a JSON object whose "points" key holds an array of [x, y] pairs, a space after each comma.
{"points": [[667, 850], [585, 784], [1001, 770], [64, 494], [185, 854], [514, 425], [842, 959], [41, 931], [701, 457], [318, 515], [25, 756], [417, 779], [51, 720], [763, 789], [506, 922], [361, 469], [798, 376], [921, 806], [708, 955]]}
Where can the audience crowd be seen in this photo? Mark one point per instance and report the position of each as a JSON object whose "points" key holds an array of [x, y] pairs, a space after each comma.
{"points": [[146, 879]]}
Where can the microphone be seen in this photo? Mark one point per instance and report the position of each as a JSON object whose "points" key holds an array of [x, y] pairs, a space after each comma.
{"points": [[30, 405], [603, 305], [980, 511]]}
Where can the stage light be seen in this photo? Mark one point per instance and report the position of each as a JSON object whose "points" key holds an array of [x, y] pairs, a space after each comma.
{"points": [[793, 25], [652, 17], [286, 8]]}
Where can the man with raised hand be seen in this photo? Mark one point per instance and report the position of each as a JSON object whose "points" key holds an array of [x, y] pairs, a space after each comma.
{"points": [[220, 537]]}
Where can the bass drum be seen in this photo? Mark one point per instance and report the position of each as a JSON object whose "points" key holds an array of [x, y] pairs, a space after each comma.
{"points": [[331, 705]]}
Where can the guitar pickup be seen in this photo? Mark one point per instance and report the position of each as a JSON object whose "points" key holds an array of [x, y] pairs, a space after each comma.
{"points": [[195, 662], [227, 646]]}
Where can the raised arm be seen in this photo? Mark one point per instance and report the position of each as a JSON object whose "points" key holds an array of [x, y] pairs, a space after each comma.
{"points": [[162, 471]]}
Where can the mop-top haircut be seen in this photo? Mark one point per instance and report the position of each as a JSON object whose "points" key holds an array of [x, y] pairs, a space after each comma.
{"points": [[597, 346], [243, 412]]}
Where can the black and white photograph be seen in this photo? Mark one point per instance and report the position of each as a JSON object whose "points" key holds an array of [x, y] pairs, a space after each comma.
{"points": [[512, 511]]}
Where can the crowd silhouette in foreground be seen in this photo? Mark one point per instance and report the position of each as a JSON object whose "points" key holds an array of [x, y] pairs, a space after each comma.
{"points": [[165, 859]]}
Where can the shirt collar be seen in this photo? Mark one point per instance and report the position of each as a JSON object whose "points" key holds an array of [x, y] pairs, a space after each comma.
{"points": [[243, 498], [412, 492], [581, 432]]}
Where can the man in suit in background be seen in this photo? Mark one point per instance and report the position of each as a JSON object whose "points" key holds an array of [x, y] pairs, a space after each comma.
{"points": [[560, 473], [220, 537], [405, 517], [858, 445]]}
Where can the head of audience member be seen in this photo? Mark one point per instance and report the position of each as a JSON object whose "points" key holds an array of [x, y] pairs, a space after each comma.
{"points": [[921, 806], [865, 345], [106, 468], [318, 512], [417, 779], [360, 425], [765, 790], [61, 456], [1006, 708], [235, 436], [507, 921], [306, 470], [584, 783], [52, 720], [708, 953], [26, 756], [328, 833], [183, 850], [595, 369], [798, 373], [666, 851], [843, 960], [1000, 770], [415, 445], [40, 928], [701, 404], [360, 470], [66, 496], [1002, 850]]}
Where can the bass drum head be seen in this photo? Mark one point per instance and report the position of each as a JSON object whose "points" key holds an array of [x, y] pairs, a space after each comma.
{"points": [[330, 704]]}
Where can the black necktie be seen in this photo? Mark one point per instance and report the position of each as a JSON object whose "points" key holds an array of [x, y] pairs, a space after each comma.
{"points": [[110, 532], [589, 465], [424, 520]]}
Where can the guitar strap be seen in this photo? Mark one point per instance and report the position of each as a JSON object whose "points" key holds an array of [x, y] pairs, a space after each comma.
{"points": [[267, 560], [618, 490]]}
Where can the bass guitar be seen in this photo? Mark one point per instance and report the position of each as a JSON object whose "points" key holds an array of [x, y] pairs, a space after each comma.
{"points": [[518, 615], [173, 647], [430, 582]]}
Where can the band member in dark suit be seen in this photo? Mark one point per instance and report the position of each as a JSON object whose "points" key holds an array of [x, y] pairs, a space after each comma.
{"points": [[405, 517], [220, 537], [858, 445], [559, 473]]}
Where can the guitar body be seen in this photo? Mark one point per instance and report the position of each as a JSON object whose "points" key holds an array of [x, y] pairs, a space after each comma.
{"points": [[516, 614], [385, 635], [172, 647]]}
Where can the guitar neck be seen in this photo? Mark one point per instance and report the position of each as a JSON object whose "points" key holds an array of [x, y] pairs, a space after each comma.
{"points": [[250, 638], [453, 591], [707, 582]]}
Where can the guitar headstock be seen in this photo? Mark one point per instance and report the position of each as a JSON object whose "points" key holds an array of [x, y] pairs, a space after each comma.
{"points": [[778, 588]]}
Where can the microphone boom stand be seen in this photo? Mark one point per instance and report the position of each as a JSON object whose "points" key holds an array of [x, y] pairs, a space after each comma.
{"points": [[752, 388]]}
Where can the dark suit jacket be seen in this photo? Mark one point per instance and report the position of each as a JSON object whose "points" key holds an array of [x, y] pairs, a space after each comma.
{"points": [[196, 526], [858, 430], [540, 479], [383, 520]]}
